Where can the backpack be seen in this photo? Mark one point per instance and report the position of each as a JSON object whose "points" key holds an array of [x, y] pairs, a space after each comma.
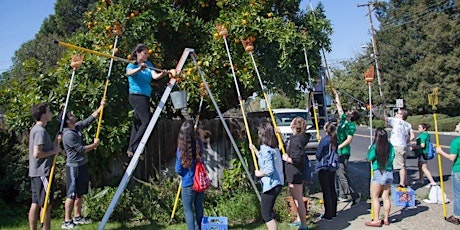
{"points": [[332, 160], [201, 181], [431, 151], [329, 162]]}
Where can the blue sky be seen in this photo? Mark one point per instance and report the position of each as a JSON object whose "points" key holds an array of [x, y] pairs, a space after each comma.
{"points": [[21, 20]]}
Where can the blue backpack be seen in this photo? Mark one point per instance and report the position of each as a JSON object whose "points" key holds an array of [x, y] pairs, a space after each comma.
{"points": [[431, 150], [329, 162]]}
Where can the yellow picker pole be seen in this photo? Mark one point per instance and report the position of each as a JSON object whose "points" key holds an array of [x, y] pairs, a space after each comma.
{"points": [[100, 54], [75, 63], [249, 47], [222, 30], [433, 101], [118, 32]]}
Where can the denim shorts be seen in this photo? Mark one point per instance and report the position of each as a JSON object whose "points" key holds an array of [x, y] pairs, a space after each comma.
{"points": [[382, 178]]}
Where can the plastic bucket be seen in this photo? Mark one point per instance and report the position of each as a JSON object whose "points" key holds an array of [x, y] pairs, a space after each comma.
{"points": [[179, 99]]}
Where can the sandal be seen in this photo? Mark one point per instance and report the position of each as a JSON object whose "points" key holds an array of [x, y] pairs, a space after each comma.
{"points": [[453, 220]]}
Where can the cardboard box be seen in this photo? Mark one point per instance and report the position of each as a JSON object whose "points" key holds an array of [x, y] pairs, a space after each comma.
{"points": [[403, 196], [214, 223]]}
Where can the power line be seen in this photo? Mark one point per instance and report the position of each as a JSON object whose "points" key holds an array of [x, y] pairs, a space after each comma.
{"points": [[432, 9]]}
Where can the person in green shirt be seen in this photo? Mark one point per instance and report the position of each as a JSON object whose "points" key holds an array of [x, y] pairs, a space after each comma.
{"points": [[455, 175], [345, 131], [421, 149], [381, 154]]}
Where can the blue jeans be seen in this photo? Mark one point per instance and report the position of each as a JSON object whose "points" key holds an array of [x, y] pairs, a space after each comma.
{"points": [[456, 191], [190, 200]]}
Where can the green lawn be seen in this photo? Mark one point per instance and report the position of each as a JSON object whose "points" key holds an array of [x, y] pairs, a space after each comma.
{"points": [[56, 224]]}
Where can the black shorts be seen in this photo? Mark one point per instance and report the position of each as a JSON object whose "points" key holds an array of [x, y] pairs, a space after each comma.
{"points": [[293, 174], [39, 185], [77, 181]]}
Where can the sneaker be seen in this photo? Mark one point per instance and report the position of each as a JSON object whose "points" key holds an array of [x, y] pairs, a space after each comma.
{"points": [[356, 201], [302, 228], [68, 225], [342, 199], [81, 220]]}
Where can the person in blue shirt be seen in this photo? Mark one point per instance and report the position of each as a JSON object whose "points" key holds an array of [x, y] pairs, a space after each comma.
{"points": [[270, 170], [139, 77], [189, 151], [326, 178], [381, 154]]}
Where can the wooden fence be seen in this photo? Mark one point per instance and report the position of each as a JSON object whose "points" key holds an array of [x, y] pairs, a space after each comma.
{"points": [[159, 155]]}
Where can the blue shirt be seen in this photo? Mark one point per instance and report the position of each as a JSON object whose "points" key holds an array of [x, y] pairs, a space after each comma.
{"points": [[187, 174], [139, 83], [268, 165]]}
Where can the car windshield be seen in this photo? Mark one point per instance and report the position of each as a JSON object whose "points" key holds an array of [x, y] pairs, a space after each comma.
{"points": [[284, 119]]}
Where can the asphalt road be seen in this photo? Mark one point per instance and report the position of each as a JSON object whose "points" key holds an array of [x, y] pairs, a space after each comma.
{"points": [[361, 142], [422, 216]]}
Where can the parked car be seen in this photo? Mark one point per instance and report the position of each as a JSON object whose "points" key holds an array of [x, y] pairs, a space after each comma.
{"points": [[283, 118]]}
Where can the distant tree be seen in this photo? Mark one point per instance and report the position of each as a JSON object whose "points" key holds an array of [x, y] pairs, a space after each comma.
{"points": [[418, 46]]}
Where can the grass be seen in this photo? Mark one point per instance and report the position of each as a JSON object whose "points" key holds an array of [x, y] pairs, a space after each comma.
{"points": [[56, 224]]}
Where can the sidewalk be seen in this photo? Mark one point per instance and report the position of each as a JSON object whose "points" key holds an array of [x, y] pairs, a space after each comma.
{"points": [[422, 216]]}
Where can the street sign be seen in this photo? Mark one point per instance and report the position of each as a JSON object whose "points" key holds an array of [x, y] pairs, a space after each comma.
{"points": [[399, 103]]}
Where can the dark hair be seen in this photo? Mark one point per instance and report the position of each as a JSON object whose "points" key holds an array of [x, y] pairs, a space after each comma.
{"points": [[381, 147], [404, 113], [38, 110], [355, 115], [425, 126], [139, 48], [59, 118], [267, 135], [187, 138], [330, 129]]}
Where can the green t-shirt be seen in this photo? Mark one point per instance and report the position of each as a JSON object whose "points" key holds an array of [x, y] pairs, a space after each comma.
{"points": [[455, 149], [422, 138], [371, 155], [345, 129]]}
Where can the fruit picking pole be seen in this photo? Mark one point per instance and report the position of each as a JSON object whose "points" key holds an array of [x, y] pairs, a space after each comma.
{"points": [[256, 166], [235, 147], [48, 188], [313, 104], [264, 90], [100, 54], [433, 101], [105, 88]]}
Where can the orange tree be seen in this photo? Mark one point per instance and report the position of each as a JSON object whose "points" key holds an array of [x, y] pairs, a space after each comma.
{"points": [[168, 27]]}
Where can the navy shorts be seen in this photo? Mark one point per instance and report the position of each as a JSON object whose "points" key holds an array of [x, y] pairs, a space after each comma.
{"points": [[77, 181], [39, 185]]}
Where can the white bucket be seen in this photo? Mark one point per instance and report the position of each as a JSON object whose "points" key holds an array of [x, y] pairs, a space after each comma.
{"points": [[179, 99]]}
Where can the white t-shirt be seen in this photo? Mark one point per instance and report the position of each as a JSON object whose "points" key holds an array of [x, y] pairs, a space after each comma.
{"points": [[400, 134]]}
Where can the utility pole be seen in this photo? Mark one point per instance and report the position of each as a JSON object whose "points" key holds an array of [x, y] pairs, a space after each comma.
{"points": [[376, 53]]}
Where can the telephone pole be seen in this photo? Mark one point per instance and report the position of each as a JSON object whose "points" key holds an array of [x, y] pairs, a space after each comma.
{"points": [[376, 52]]}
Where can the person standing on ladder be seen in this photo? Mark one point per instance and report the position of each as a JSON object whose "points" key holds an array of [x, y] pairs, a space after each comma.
{"points": [[345, 131], [41, 153], [139, 77]]}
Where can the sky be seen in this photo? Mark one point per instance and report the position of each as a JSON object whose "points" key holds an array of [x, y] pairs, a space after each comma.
{"points": [[21, 21]]}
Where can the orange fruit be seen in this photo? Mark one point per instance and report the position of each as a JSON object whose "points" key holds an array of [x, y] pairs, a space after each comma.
{"points": [[150, 51], [245, 22]]}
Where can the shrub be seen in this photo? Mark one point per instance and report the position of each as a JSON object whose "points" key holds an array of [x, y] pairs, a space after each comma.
{"points": [[242, 208]]}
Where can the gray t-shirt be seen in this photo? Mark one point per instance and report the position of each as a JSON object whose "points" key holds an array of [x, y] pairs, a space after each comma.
{"points": [[400, 134], [39, 166], [74, 145]]}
